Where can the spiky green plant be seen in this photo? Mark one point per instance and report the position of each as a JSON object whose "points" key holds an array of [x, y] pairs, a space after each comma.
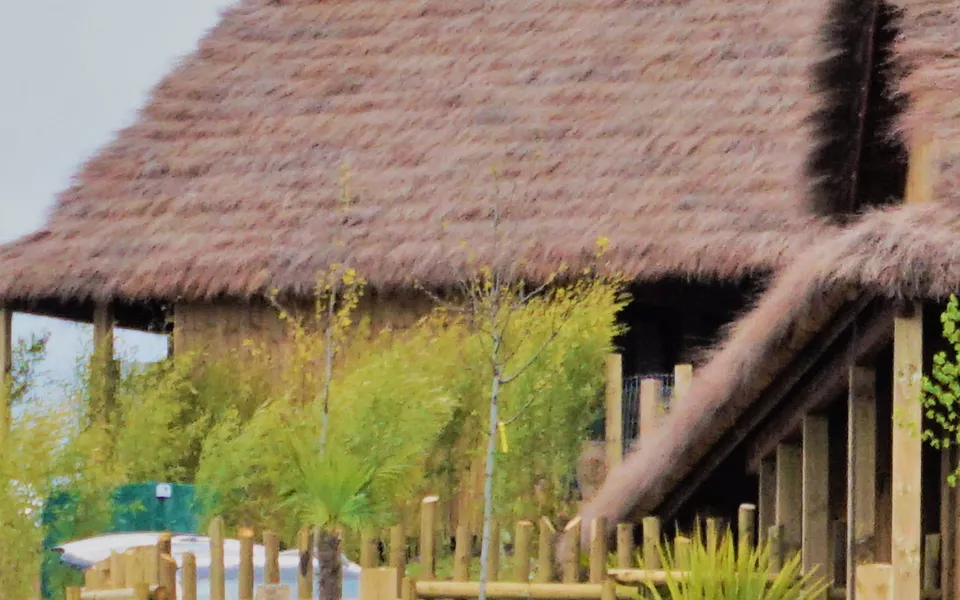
{"points": [[730, 573]]}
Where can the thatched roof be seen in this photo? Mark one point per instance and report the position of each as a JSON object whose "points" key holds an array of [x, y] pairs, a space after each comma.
{"points": [[681, 131], [909, 252]]}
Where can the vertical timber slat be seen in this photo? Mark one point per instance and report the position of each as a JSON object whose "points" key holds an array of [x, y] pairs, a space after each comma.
{"points": [[598, 550], [815, 523], [217, 575], [428, 537], [861, 471], [682, 378], [790, 496], [767, 496], [907, 451], [6, 364], [625, 546], [651, 390], [614, 406], [545, 566], [522, 542]]}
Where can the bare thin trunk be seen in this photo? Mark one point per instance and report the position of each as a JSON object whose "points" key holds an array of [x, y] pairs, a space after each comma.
{"points": [[330, 569], [328, 369], [488, 483]]}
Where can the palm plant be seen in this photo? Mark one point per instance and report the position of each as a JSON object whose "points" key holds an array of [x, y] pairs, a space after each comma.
{"points": [[726, 572]]}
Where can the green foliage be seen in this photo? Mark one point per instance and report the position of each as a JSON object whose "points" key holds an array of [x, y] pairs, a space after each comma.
{"points": [[941, 389], [729, 573]]}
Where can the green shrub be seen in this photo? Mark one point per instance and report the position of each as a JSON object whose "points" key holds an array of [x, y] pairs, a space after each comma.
{"points": [[728, 573]]}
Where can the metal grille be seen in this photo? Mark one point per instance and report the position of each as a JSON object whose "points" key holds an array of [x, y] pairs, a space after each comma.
{"points": [[631, 403]]}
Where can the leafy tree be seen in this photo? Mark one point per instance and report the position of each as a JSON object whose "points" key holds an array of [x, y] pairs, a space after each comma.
{"points": [[941, 389]]}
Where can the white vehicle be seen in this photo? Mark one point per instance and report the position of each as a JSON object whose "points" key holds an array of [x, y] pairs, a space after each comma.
{"points": [[83, 554]]}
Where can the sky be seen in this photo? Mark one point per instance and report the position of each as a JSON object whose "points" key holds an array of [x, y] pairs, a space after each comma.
{"points": [[73, 73]]}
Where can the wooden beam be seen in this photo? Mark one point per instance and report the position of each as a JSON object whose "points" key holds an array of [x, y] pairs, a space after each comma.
{"points": [[816, 496], [789, 498], [861, 471], [102, 367], [826, 381], [767, 496], [907, 535], [6, 365], [769, 400], [614, 406]]}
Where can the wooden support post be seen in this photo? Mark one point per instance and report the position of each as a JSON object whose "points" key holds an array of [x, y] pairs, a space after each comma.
{"points": [[873, 582], [651, 543], [906, 480], [245, 575], [151, 564], [861, 472], [189, 577], [651, 392], [931, 562], [133, 565], [571, 562], [462, 554], [767, 496], [378, 584], [217, 573], [6, 364], [102, 368], [713, 535], [625, 546], [777, 550], [598, 550], [948, 525], [746, 527], [428, 537], [789, 498], [545, 566], [117, 571], [522, 541], [614, 405], [682, 378], [815, 523], [368, 549], [305, 571], [398, 551]]}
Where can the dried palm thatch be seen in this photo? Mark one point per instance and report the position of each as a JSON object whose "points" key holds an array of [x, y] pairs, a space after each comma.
{"points": [[680, 131]]}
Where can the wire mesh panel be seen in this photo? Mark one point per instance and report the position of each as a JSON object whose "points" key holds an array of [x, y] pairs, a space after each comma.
{"points": [[631, 403]]}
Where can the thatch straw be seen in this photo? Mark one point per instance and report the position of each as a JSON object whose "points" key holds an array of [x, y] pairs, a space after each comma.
{"points": [[680, 131], [907, 252]]}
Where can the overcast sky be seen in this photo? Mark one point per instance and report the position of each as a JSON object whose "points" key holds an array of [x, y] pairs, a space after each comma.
{"points": [[72, 72]]}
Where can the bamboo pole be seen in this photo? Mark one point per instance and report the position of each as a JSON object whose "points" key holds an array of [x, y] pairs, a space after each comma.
{"points": [[713, 535], [681, 552], [522, 541], [168, 576], [651, 543], [398, 551], [775, 537], [503, 590], [117, 571], [545, 563], [245, 575], [931, 561], [614, 410], [217, 574], [428, 537], [608, 590], [271, 547], [305, 572], [493, 560], [408, 589], [746, 527], [598, 550], [625, 546], [189, 577], [571, 562], [462, 552], [651, 392], [368, 549]]}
